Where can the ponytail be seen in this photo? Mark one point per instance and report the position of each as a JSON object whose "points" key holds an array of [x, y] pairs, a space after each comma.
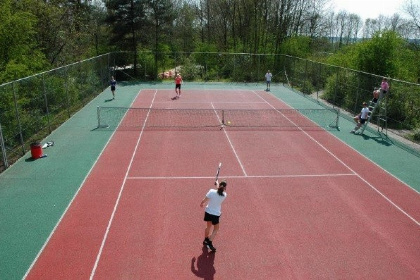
{"points": [[221, 188]]}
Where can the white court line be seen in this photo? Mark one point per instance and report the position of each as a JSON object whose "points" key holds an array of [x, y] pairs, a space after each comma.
{"points": [[120, 193], [71, 201], [348, 167], [214, 102], [237, 176], [230, 143]]}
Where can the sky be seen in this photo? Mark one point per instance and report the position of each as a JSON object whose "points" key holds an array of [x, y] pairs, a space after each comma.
{"points": [[369, 8]]}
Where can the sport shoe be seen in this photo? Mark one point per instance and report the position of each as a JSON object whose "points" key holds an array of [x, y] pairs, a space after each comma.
{"points": [[206, 241], [353, 131], [210, 246]]}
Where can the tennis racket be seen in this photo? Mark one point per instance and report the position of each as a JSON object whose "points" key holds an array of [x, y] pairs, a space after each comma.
{"points": [[217, 173]]}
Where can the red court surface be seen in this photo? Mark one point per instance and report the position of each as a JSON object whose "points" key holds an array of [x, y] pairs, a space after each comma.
{"points": [[301, 205]]}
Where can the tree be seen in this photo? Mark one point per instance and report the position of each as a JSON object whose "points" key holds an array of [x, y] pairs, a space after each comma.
{"points": [[341, 21], [127, 18], [379, 54], [353, 27], [99, 30], [161, 17], [185, 33], [19, 53], [413, 10]]}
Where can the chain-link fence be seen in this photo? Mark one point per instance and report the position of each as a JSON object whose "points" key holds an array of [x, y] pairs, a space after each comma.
{"points": [[31, 108], [340, 87], [347, 89], [336, 86]]}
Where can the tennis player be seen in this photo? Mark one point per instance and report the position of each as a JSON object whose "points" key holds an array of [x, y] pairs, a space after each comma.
{"points": [[113, 83], [213, 201], [268, 77], [361, 118], [178, 82]]}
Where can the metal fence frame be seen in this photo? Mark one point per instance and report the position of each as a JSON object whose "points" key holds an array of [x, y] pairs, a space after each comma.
{"points": [[34, 106]]}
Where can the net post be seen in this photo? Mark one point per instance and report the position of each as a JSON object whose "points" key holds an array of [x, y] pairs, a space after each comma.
{"points": [[337, 118], [223, 117]]}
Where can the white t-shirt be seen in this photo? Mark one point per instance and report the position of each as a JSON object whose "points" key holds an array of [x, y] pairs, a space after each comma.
{"points": [[268, 76], [364, 113], [214, 204]]}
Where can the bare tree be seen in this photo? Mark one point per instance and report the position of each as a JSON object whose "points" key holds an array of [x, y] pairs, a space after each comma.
{"points": [[413, 10], [352, 27], [312, 21], [341, 21]]}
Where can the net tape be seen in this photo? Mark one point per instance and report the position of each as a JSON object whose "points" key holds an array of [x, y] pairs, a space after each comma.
{"points": [[190, 118]]}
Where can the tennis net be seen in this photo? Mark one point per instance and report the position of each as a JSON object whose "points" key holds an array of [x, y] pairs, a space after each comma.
{"points": [[195, 118]]}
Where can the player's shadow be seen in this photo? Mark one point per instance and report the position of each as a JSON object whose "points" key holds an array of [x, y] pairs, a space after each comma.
{"points": [[379, 139], [205, 265], [109, 100]]}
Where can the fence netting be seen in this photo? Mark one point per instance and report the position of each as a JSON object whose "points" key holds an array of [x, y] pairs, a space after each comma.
{"points": [[32, 107]]}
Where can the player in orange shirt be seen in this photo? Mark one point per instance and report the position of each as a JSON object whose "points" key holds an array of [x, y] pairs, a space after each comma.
{"points": [[178, 82]]}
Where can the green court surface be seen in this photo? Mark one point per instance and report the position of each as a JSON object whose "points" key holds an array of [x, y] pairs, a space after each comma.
{"points": [[35, 194]]}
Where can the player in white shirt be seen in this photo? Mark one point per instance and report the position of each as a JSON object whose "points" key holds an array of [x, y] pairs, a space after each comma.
{"points": [[268, 76], [213, 201], [361, 118]]}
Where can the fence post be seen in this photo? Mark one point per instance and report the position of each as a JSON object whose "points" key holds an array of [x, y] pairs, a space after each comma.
{"points": [[18, 119], [335, 88], [357, 93], [46, 103], [3, 149], [306, 76], [292, 74], [234, 64], [258, 67], [145, 67], [66, 90], [318, 81], [109, 67]]}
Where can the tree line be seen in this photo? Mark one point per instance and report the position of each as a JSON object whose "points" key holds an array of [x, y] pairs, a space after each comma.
{"points": [[211, 39], [37, 35]]}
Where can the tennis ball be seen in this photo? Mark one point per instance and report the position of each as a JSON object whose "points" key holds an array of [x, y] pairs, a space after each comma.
{"points": [[228, 122]]}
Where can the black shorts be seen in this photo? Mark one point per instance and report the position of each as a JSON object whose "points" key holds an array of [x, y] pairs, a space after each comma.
{"points": [[178, 86], [211, 218], [112, 87], [362, 121]]}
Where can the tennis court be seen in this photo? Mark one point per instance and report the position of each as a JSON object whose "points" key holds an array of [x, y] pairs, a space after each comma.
{"points": [[302, 204]]}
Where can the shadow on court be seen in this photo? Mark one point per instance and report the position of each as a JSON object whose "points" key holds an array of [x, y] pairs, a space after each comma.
{"points": [[379, 139], [31, 159], [205, 265]]}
